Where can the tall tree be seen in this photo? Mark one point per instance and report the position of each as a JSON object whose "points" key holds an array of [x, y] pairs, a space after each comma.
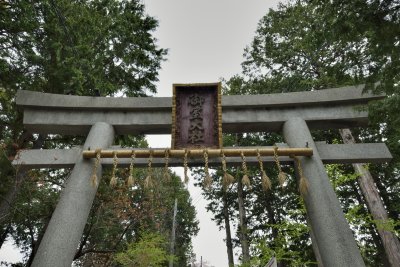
{"points": [[376, 207], [121, 216], [79, 47], [273, 217], [307, 45], [310, 45], [227, 225], [83, 48]]}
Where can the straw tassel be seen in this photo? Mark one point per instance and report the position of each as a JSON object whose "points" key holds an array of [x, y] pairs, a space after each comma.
{"points": [[113, 181], [265, 181], [185, 167], [131, 180], [245, 179], [93, 178], [167, 176], [282, 176], [207, 178], [148, 181], [303, 183], [227, 179]]}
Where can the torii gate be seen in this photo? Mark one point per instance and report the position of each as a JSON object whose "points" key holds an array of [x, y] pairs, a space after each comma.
{"points": [[100, 118]]}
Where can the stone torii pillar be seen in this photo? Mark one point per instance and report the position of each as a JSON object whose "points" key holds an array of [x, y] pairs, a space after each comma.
{"points": [[59, 243], [332, 234]]}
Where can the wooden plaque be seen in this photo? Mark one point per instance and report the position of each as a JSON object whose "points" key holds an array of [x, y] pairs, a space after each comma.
{"points": [[196, 116]]}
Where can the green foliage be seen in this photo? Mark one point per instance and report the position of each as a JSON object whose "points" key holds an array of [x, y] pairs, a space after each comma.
{"points": [[148, 251], [275, 219], [121, 215], [311, 45], [32, 210], [290, 233], [71, 47], [78, 47], [83, 48]]}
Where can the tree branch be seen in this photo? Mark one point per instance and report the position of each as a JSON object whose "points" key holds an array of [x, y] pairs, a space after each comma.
{"points": [[92, 250]]}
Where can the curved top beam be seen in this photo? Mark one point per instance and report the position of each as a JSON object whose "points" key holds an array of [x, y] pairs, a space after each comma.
{"points": [[337, 96]]}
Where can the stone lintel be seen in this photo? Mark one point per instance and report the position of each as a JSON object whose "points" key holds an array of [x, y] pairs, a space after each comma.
{"points": [[344, 95], [78, 122], [330, 153]]}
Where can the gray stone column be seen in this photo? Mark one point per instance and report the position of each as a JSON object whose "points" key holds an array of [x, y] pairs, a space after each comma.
{"points": [[61, 239], [332, 233]]}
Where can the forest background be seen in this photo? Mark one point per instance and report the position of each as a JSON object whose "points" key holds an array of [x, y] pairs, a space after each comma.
{"points": [[57, 47]]}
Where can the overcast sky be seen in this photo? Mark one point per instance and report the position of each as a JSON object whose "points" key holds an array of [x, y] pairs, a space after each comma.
{"points": [[206, 40]]}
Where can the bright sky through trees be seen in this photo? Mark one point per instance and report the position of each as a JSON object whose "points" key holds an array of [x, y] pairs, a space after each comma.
{"points": [[206, 40]]}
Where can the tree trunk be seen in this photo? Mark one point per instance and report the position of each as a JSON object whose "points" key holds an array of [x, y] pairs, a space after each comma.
{"points": [[243, 224], [8, 200], [4, 235], [271, 217], [243, 237], [375, 237], [229, 246], [37, 242], [273, 221], [392, 213], [375, 205]]}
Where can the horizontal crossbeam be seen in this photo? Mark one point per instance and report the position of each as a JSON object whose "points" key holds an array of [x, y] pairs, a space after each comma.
{"points": [[198, 153], [324, 109], [159, 122], [329, 153]]}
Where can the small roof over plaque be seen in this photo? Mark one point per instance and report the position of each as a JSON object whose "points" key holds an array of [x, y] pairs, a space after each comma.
{"points": [[196, 116]]}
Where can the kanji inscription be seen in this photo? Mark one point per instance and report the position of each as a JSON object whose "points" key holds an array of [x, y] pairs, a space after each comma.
{"points": [[196, 129], [196, 116]]}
